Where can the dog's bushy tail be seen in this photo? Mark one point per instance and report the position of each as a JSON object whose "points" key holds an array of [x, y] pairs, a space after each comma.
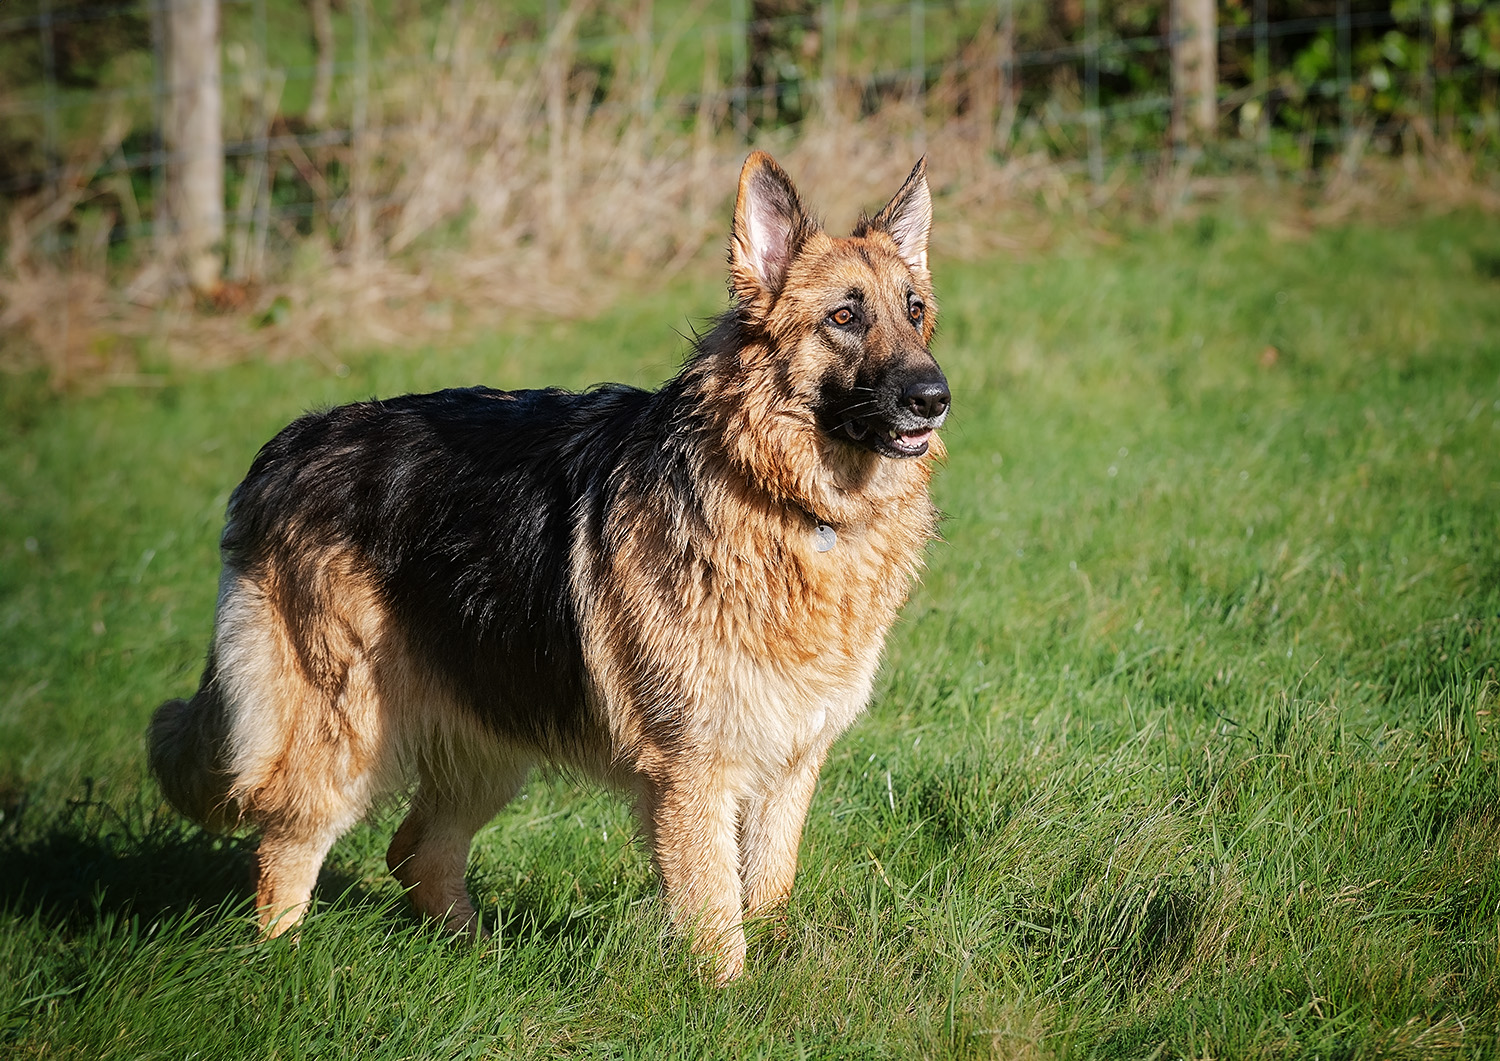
{"points": [[188, 749]]}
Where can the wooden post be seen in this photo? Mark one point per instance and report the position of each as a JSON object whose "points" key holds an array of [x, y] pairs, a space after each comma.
{"points": [[1091, 114], [321, 14], [739, 52], [359, 138], [918, 34], [1008, 95], [828, 30], [195, 140], [645, 17], [1346, 77], [49, 120], [1195, 70]]}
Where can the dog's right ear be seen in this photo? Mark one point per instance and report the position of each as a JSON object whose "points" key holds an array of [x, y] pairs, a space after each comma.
{"points": [[770, 225]]}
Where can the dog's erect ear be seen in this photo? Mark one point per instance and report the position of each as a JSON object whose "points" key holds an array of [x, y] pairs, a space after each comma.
{"points": [[907, 219], [769, 227]]}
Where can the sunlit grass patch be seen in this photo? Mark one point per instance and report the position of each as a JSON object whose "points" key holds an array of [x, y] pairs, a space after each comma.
{"points": [[1186, 745]]}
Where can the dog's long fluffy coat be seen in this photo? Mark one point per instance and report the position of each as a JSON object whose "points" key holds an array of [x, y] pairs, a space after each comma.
{"points": [[449, 588]]}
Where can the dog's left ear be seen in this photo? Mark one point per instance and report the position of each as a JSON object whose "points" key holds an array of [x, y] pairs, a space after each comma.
{"points": [[907, 219], [770, 225]]}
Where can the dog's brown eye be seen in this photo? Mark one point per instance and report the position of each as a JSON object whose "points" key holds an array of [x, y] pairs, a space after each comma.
{"points": [[842, 316], [914, 311]]}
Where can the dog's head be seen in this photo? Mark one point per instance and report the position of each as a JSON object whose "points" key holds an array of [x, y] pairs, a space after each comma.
{"points": [[847, 321]]}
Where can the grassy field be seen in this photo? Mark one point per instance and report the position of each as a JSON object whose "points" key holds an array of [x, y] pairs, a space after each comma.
{"points": [[1186, 746]]}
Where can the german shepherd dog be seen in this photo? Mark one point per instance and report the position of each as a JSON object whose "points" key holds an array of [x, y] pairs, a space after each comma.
{"points": [[683, 592]]}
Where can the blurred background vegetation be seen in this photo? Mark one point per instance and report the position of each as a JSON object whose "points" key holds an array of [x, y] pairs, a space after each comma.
{"points": [[380, 170]]}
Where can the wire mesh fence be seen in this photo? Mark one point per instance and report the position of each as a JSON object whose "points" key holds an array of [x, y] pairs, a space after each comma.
{"points": [[341, 122]]}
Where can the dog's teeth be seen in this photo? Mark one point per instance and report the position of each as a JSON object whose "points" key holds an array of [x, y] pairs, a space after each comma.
{"points": [[893, 434]]}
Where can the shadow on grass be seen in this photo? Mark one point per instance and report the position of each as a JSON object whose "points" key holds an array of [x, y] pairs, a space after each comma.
{"points": [[92, 861], [91, 858]]}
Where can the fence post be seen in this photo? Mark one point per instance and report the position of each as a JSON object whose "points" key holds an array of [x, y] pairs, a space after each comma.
{"points": [[1428, 90], [1346, 80], [195, 140], [266, 112], [159, 217], [1263, 89], [645, 25], [320, 12], [1195, 70], [918, 31], [1091, 90], [1007, 41], [50, 153], [739, 32], [828, 26], [359, 136], [247, 231]]}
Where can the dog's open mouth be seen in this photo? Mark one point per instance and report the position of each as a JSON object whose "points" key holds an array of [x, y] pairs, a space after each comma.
{"points": [[912, 442]]}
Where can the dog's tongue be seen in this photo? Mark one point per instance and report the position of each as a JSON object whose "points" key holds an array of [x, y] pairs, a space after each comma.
{"points": [[916, 438]]}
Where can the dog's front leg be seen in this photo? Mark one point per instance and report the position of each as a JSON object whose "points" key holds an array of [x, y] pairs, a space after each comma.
{"points": [[692, 819], [771, 832]]}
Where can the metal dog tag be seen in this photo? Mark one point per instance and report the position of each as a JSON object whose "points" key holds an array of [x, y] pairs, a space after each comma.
{"points": [[825, 537]]}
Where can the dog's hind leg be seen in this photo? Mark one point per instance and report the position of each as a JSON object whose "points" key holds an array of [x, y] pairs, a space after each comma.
{"points": [[430, 851], [310, 794], [286, 868], [306, 734]]}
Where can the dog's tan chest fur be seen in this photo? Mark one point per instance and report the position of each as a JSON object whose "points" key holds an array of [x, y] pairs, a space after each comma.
{"points": [[771, 645]]}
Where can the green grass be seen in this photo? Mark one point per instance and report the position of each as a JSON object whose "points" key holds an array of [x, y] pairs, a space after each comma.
{"points": [[1185, 746]]}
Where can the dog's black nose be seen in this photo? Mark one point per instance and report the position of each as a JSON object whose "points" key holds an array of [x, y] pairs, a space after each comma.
{"points": [[928, 399]]}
